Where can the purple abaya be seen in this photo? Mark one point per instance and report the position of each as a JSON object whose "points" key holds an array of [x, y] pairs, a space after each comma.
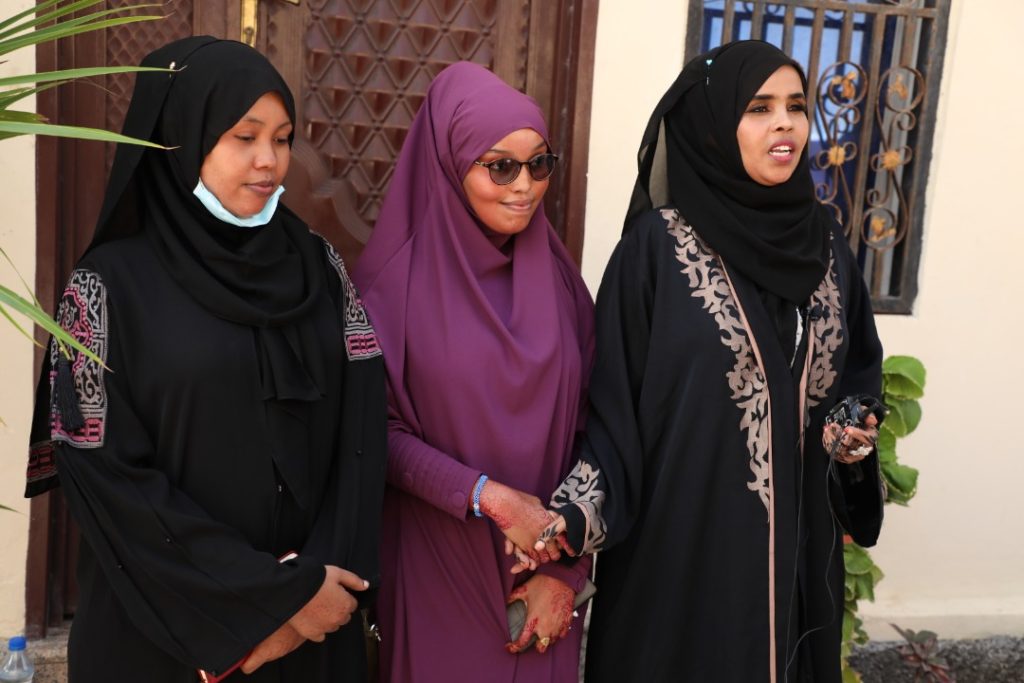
{"points": [[487, 352]]}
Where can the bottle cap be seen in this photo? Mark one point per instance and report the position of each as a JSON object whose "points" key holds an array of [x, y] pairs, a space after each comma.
{"points": [[16, 644]]}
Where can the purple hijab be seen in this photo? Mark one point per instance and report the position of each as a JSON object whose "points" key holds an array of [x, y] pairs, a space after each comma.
{"points": [[487, 352]]}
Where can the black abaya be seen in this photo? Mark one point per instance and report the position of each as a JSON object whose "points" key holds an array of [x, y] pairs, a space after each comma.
{"points": [[719, 516], [242, 416], [174, 485]]}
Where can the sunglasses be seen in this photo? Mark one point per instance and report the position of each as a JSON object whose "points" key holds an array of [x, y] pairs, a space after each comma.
{"points": [[505, 171]]}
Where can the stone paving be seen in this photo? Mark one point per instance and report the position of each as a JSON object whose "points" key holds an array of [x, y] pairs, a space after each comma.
{"points": [[988, 660]]}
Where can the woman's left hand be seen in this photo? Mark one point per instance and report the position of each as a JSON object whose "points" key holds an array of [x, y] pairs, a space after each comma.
{"points": [[855, 443], [548, 612]]}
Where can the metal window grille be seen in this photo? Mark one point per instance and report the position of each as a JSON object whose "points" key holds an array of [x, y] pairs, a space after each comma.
{"points": [[874, 68]]}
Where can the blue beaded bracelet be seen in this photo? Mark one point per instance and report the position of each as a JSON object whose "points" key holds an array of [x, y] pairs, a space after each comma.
{"points": [[476, 494]]}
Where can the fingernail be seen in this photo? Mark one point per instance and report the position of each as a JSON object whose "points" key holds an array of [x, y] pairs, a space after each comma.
{"points": [[366, 584]]}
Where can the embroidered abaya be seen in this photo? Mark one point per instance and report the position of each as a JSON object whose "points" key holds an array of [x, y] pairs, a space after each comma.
{"points": [[728, 323], [240, 416], [486, 344]]}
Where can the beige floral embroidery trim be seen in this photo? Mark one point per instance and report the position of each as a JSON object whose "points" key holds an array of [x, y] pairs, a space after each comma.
{"points": [[828, 337], [580, 489], [746, 379]]}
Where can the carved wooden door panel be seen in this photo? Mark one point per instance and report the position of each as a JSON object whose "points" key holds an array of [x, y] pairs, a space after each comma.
{"points": [[359, 70]]}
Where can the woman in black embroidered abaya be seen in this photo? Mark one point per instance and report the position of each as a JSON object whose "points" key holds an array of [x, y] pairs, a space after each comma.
{"points": [[729, 321], [242, 417]]}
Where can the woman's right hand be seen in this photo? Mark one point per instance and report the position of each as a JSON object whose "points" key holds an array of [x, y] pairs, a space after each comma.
{"points": [[281, 642], [331, 607], [520, 516]]}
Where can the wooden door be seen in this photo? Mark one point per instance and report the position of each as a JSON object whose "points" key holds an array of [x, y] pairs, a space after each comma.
{"points": [[359, 70]]}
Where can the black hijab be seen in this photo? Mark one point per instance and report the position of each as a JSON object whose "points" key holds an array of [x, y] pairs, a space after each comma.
{"points": [[777, 236], [265, 277]]}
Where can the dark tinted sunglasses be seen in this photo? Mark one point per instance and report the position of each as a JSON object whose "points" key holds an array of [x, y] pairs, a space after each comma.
{"points": [[505, 171]]}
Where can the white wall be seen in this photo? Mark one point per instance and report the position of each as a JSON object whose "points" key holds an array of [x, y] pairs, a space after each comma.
{"points": [[954, 559], [17, 238], [639, 53]]}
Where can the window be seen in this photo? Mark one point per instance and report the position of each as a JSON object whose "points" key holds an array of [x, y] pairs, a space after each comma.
{"points": [[873, 69]]}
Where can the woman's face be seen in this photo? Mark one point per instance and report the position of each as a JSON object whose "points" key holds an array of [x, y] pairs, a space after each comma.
{"points": [[507, 209], [250, 160], [774, 127]]}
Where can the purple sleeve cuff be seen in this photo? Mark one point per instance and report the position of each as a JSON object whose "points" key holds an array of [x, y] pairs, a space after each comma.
{"points": [[425, 472]]}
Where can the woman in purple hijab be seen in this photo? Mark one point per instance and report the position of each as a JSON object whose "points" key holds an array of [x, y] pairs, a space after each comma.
{"points": [[487, 332]]}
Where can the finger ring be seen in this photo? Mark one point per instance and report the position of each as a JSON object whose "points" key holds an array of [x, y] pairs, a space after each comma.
{"points": [[545, 641], [863, 450]]}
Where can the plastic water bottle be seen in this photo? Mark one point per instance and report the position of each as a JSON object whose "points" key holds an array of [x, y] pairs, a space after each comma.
{"points": [[17, 666]]}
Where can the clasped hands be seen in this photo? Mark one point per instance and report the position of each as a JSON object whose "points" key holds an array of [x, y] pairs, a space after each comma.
{"points": [[534, 535], [330, 609], [855, 443]]}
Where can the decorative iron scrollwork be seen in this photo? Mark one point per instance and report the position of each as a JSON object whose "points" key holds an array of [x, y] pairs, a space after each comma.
{"points": [[887, 212], [841, 91]]}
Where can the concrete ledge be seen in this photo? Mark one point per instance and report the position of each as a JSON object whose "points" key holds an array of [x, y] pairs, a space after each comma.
{"points": [[987, 660], [50, 656]]}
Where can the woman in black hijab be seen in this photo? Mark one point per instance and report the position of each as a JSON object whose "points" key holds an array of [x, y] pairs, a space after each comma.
{"points": [[226, 467], [730, 320]]}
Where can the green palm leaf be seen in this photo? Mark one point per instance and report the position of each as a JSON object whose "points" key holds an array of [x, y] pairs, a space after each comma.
{"points": [[19, 128]]}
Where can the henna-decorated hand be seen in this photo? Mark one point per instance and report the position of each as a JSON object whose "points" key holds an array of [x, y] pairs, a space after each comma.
{"points": [[279, 643], [551, 540], [520, 516], [855, 443], [548, 612], [553, 537]]}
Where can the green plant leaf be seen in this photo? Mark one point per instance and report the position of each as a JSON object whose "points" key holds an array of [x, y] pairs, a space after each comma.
{"points": [[902, 481], [896, 497], [905, 366], [63, 31], [894, 422], [42, 14], [80, 133], [48, 20], [70, 74], [848, 619], [903, 377], [21, 116], [886, 445], [865, 587], [856, 559], [900, 387], [39, 7], [24, 332], [38, 316], [850, 675], [909, 413], [11, 96]]}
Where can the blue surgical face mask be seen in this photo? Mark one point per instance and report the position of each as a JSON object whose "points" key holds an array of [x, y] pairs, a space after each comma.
{"points": [[214, 206]]}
